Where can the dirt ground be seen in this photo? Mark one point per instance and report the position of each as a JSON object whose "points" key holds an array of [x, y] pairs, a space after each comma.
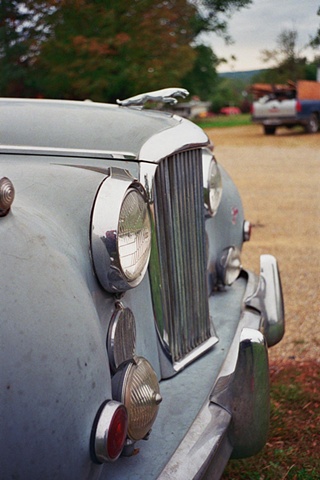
{"points": [[279, 181]]}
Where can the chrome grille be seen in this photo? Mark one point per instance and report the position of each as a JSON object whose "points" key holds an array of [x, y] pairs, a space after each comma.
{"points": [[182, 317]]}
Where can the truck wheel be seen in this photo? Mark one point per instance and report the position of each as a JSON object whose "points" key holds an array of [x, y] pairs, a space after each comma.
{"points": [[313, 124], [269, 129]]}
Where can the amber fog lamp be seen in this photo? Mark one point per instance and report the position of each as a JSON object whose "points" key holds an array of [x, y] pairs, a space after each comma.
{"points": [[121, 340], [110, 432], [6, 195], [212, 182], [120, 232], [229, 265], [136, 386]]}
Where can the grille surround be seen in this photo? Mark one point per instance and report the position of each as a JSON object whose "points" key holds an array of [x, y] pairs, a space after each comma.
{"points": [[178, 259]]}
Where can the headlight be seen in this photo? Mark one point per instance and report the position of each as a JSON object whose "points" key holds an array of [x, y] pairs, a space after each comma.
{"points": [[212, 183], [133, 235], [135, 385], [120, 232]]}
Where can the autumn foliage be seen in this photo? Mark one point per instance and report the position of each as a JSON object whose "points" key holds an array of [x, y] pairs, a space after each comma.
{"points": [[106, 49]]}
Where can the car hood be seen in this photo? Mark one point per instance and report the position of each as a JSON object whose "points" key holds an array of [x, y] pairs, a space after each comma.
{"points": [[92, 127]]}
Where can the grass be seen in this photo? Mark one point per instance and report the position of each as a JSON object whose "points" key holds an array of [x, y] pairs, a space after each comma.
{"points": [[219, 121], [293, 448]]}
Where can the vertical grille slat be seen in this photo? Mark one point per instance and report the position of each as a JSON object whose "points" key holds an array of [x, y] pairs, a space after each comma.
{"points": [[180, 235]]}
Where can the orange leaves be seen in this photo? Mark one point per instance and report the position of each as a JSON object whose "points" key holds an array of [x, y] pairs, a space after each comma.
{"points": [[93, 46], [99, 46]]}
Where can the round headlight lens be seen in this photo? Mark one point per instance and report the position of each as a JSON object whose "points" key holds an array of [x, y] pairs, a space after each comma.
{"points": [[137, 387], [134, 235]]}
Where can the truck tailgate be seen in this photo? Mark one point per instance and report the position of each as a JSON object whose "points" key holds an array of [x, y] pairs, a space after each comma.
{"points": [[274, 108]]}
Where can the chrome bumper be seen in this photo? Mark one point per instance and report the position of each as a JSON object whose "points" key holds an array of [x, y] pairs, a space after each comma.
{"points": [[234, 421], [267, 298]]}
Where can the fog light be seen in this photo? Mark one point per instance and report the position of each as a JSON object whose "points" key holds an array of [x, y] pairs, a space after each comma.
{"points": [[229, 265], [135, 384], [6, 195], [121, 341], [110, 432]]}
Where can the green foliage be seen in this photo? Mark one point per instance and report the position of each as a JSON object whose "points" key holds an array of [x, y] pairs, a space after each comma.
{"points": [[107, 49], [288, 62], [213, 15], [201, 81], [223, 121], [315, 41], [14, 48], [306, 71], [229, 92]]}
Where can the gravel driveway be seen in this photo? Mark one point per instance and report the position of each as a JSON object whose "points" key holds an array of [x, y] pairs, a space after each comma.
{"points": [[279, 181]]}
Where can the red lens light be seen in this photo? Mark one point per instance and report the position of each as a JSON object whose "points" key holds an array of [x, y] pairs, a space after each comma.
{"points": [[110, 432], [117, 433]]}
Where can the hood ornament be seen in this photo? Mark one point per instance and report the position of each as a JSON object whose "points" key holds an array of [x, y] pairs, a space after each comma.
{"points": [[166, 95]]}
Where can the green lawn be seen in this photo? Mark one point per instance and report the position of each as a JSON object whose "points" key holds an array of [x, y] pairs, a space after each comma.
{"points": [[225, 121]]}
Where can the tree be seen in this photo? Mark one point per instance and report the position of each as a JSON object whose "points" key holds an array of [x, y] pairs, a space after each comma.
{"points": [[288, 62], [111, 49], [13, 47], [315, 41], [213, 15], [105, 49], [202, 79]]}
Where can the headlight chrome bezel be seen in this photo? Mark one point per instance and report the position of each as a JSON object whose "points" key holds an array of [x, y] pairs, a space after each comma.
{"points": [[105, 237]]}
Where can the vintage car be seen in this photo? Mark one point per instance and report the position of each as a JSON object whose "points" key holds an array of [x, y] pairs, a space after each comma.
{"points": [[133, 342]]}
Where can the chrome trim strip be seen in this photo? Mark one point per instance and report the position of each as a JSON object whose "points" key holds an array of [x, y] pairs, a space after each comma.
{"points": [[184, 136], [65, 152], [196, 352], [201, 444]]}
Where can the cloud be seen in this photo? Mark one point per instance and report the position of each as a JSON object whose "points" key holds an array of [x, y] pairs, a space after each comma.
{"points": [[257, 27]]}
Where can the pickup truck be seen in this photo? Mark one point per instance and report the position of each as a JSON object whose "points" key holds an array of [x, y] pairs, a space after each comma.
{"points": [[287, 106]]}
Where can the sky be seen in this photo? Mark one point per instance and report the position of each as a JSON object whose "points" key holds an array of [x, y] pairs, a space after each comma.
{"points": [[256, 28]]}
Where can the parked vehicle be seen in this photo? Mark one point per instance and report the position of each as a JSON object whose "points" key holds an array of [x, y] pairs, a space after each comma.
{"points": [[230, 111], [287, 105], [134, 344]]}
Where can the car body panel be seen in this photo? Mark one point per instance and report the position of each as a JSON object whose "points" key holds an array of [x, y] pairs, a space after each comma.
{"points": [[55, 315]]}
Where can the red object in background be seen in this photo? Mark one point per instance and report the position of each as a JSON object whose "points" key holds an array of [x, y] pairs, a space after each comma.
{"points": [[230, 111]]}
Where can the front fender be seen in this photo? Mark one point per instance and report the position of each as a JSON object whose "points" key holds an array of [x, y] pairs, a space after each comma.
{"points": [[54, 368]]}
